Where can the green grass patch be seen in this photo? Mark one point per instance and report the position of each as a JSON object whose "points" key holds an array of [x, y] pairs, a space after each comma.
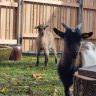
{"points": [[23, 78]]}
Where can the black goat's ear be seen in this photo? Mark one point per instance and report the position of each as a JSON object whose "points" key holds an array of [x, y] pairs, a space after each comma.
{"points": [[59, 33], [86, 35]]}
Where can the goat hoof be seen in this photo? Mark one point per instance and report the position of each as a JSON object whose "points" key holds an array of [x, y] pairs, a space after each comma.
{"points": [[45, 68]]}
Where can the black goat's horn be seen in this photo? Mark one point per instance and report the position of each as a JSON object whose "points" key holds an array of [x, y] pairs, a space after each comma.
{"points": [[46, 26], [65, 26], [79, 26]]}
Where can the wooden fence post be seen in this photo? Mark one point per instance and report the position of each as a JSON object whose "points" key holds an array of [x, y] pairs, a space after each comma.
{"points": [[81, 13], [19, 22]]}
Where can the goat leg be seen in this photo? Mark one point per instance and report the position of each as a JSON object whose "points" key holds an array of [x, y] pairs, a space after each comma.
{"points": [[55, 54], [67, 91], [46, 57], [56, 58], [37, 63]]}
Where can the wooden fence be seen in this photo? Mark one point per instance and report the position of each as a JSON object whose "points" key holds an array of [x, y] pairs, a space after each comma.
{"points": [[51, 12]]}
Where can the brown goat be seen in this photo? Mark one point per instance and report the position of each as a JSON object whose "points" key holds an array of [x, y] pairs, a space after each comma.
{"points": [[45, 41]]}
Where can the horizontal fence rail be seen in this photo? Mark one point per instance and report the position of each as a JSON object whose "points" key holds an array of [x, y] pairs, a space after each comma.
{"points": [[61, 3], [8, 4]]}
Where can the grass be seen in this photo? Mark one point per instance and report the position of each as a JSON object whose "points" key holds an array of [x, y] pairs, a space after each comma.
{"points": [[23, 78]]}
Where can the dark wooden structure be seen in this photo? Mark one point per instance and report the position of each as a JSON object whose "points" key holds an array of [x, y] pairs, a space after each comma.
{"points": [[85, 82]]}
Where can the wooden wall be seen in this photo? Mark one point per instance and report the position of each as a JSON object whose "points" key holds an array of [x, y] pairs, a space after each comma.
{"points": [[51, 12], [8, 21], [47, 13]]}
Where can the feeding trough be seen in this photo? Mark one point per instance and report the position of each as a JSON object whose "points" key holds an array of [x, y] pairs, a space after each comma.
{"points": [[10, 53], [85, 82], [5, 52]]}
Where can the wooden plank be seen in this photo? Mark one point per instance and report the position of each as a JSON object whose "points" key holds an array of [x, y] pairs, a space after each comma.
{"points": [[26, 44], [62, 17], [24, 19], [44, 17], [3, 22], [73, 17], [7, 23], [35, 8], [76, 16], [7, 41], [65, 16], [48, 13], [34, 18], [94, 25], [30, 45], [27, 19], [23, 45], [15, 23], [31, 19], [55, 16], [11, 24], [8, 4], [34, 44], [51, 17], [55, 19], [42, 14], [59, 17], [84, 21], [90, 21], [68, 17]]}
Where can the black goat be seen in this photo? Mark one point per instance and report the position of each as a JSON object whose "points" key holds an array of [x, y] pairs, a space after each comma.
{"points": [[67, 66]]}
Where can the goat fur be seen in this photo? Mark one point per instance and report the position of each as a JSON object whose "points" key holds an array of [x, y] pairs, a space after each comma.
{"points": [[67, 66], [46, 42]]}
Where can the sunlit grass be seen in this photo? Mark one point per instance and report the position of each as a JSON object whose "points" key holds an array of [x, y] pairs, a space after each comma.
{"points": [[16, 78]]}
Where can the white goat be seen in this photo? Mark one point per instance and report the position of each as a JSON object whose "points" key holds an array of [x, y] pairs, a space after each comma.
{"points": [[88, 54], [45, 41]]}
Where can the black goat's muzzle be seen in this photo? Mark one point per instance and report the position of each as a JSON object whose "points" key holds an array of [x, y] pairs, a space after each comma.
{"points": [[74, 54]]}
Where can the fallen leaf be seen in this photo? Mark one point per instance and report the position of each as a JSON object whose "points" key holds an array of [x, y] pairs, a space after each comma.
{"points": [[37, 75]]}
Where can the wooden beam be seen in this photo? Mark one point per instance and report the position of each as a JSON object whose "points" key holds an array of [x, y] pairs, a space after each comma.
{"points": [[7, 41], [89, 8], [19, 22], [30, 36], [8, 4], [61, 3]]}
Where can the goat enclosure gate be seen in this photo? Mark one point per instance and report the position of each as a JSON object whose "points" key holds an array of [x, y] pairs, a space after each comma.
{"points": [[19, 17]]}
